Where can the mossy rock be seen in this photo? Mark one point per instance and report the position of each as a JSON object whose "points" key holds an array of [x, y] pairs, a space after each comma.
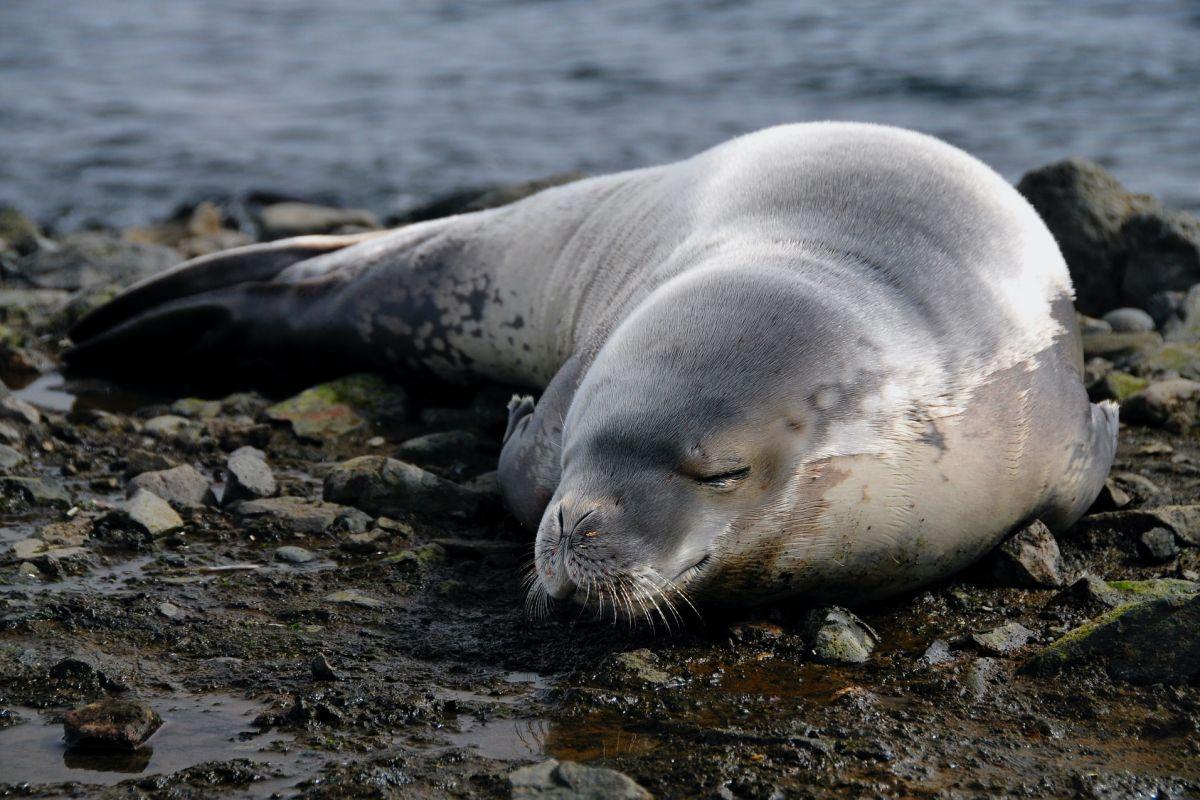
{"points": [[1120, 385], [422, 556], [1180, 357], [341, 406]]}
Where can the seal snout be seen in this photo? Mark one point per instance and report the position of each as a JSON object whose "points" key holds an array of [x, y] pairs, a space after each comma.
{"points": [[569, 555]]}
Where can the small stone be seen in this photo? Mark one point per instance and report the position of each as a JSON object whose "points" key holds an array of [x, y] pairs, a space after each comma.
{"points": [[639, 666], [938, 652], [1183, 520], [1003, 640], [17, 410], [979, 675], [1029, 558], [363, 543], [1111, 498], [1129, 320], [380, 485], [376, 441], [321, 670], [26, 549], [182, 486], [353, 597], [1156, 404], [59, 562], [71, 533], [441, 447], [117, 725], [151, 514], [1157, 545], [170, 610], [281, 220], [566, 780], [167, 426], [1092, 325], [35, 491], [294, 555], [9, 458], [837, 636], [247, 477], [138, 461], [196, 408]]}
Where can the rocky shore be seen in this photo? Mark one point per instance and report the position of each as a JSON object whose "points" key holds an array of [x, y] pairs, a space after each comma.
{"points": [[317, 593]]}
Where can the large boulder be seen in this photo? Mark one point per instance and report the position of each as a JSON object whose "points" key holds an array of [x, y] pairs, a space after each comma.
{"points": [[1162, 253], [1085, 208]]}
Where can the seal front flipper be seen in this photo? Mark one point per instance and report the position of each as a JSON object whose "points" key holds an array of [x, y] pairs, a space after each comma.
{"points": [[220, 311]]}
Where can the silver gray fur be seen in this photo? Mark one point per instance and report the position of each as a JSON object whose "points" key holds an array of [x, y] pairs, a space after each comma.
{"points": [[870, 321]]}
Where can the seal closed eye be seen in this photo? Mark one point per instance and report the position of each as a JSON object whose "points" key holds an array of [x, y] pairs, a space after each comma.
{"points": [[867, 333]]}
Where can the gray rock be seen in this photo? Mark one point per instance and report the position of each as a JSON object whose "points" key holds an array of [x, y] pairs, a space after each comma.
{"points": [[1029, 558], [151, 514], [59, 562], [979, 676], [836, 636], [17, 410], [1129, 320], [1003, 640], [280, 220], [353, 597], [35, 491], [170, 610], [1162, 253], [115, 725], [138, 461], [1122, 347], [1157, 545], [1160, 402], [1086, 208], [172, 428], [93, 259], [1157, 641], [247, 477], [1111, 498], [1183, 520], [1092, 325], [566, 780], [182, 486], [302, 515], [639, 666], [442, 447], [385, 486], [9, 458], [938, 652], [321, 669], [26, 549], [294, 555]]}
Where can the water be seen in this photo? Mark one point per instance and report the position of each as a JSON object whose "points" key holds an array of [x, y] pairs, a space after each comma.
{"points": [[115, 110]]}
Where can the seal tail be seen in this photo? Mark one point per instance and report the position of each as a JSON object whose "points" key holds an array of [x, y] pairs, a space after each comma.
{"points": [[222, 311]]}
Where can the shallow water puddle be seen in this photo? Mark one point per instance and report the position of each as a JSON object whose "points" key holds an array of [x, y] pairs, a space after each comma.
{"points": [[106, 579], [195, 729], [53, 391]]}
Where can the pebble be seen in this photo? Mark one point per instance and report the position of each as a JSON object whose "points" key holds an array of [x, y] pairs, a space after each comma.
{"points": [[182, 486], [639, 666], [1157, 545], [10, 458], [1156, 404], [1111, 498], [304, 516], [1029, 558], [1003, 640], [294, 555], [281, 220], [567, 780], [1129, 320], [116, 725], [247, 477], [138, 461], [837, 636], [353, 597], [170, 610], [151, 513], [25, 549], [167, 426], [17, 410]]}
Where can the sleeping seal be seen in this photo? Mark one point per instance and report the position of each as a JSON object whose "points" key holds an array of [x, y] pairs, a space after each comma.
{"points": [[830, 360]]}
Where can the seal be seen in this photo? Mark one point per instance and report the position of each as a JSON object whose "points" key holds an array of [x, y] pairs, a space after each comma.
{"points": [[830, 360]]}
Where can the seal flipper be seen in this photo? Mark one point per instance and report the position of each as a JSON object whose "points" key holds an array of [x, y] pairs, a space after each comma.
{"points": [[221, 313]]}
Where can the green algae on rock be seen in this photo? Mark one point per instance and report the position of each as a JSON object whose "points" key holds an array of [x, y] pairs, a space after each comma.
{"points": [[341, 406]]}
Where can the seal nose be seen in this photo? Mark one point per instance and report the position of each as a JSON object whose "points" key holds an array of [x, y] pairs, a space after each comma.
{"points": [[560, 570]]}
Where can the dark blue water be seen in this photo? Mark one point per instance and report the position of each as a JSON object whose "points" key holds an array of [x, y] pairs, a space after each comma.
{"points": [[114, 110]]}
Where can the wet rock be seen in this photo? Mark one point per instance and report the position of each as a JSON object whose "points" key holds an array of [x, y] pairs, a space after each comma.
{"points": [[71, 533], [380, 485], [196, 408], [173, 429], [247, 477], [321, 670], [836, 636], [938, 652], [1163, 253], [465, 201], [979, 675], [118, 725], [1159, 403], [17, 410], [170, 611], [1029, 558], [353, 597], [26, 549], [1182, 520], [1085, 208], [566, 780], [294, 555], [1141, 487], [10, 459], [1121, 347], [427, 554], [639, 666], [94, 259], [443, 447], [150, 514], [1111, 498], [18, 233], [182, 486], [1091, 592], [138, 461], [57, 563], [302, 515], [339, 407], [1129, 320], [34, 491], [1157, 641], [1003, 640], [281, 220], [1157, 545]]}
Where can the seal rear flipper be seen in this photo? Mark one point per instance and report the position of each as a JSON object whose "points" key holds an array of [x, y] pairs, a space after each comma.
{"points": [[254, 263]]}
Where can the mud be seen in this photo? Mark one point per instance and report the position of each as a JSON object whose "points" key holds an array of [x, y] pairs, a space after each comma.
{"points": [[443, 685]]}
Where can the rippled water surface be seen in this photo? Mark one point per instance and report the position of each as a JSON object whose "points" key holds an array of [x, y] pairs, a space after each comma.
{"points": [[114, 110]]}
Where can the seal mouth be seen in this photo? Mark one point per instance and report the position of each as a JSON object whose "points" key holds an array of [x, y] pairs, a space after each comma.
{"points": [[688, 574]]}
